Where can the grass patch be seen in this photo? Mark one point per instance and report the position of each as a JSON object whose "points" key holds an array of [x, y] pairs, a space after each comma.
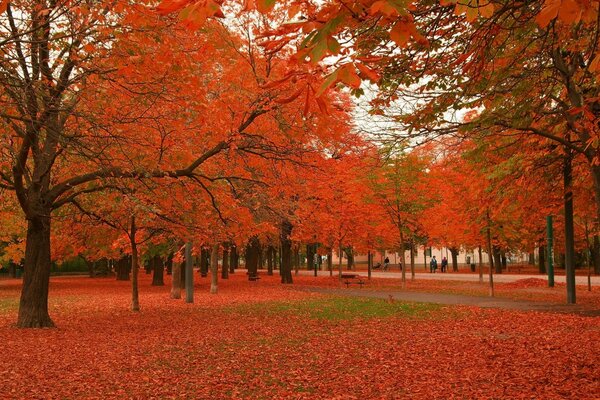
{"points": [[339, 308], [8, 305]]}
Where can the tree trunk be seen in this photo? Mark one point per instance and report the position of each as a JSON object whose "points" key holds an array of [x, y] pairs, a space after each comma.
{"points": [[270, 257], [542, 259], [531, 259], [135, 299], [454, 252], [596, 254], [33, 305], [176, 281], [330, 261], [214, 269], [225, 266], [350, 256], [480, 265], [158, 271], [412, 260], [569, 229], [296, 259], [252, 257], [123, 267], [497, 262], [489, 251], [310, 257], [234, 259], [286, 252], [12, 270], [189, 273], [204, 262], [170, 264]]}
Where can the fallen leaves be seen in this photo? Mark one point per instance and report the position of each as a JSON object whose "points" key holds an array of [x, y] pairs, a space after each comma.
{"points": [[265, 340]]}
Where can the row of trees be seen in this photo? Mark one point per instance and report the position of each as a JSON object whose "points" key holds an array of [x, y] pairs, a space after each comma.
{"points": [[123, 128]]}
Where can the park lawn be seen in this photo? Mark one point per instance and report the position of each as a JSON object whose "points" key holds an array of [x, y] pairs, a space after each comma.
{"points": [[262, 340]]}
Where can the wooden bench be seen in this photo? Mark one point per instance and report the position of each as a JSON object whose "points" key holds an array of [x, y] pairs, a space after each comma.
{"points": [[253, 278], [349, 279]]}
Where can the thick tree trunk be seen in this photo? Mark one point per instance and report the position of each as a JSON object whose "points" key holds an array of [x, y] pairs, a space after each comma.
{"points": [[286, 252], [135, 299], [33, 305], [214, 269], [531, 259], [330, 261], [454, 252], [158, 271]]}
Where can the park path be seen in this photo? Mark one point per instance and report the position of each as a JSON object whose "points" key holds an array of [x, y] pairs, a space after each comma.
{"points": [[456, 299], [467, 277]]}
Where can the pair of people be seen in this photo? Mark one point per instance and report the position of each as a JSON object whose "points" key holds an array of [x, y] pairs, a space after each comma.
{"points": [[433, 265]]}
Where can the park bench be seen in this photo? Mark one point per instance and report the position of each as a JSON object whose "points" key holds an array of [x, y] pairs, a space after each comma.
{"points": [[349, 279], [253, 277]]}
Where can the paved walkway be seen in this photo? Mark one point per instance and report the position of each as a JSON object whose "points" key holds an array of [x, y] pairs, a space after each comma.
{"points": [[467, 277], [456, 299]]}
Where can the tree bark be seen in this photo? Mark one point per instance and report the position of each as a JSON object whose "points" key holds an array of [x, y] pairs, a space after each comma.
{"points": [[350, 257], [286, 252], [497, 261], [214, 269], [542, 259], [270, 257], [234, 259], [176, 281], [158, 271], [310, 257], [569, 229], [412, 260], [170, 264], [204, 262], [225, 266], [135, 299], [596, 254], [454, 252], [123, 266], [33, 305]]}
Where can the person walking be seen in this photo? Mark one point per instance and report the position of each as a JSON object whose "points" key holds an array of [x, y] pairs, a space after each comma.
{"points": [[433, 265], [386, 264], [444, 264]]}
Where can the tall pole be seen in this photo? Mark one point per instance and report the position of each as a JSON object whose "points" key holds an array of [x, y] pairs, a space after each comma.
{"points": [[489, 246], [550, 245], [189, 274]]}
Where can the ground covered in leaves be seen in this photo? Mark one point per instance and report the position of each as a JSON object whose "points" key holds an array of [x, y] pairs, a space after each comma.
{"points": [[262, 340]]}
